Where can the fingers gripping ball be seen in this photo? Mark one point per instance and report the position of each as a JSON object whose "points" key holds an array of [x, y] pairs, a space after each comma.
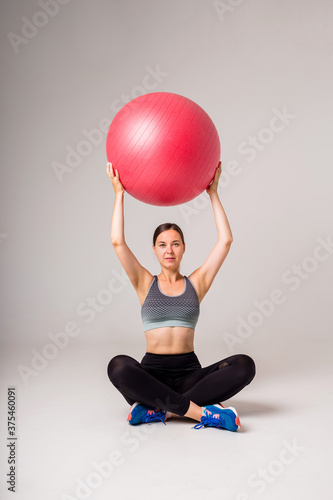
{"points": [[165, 148]]}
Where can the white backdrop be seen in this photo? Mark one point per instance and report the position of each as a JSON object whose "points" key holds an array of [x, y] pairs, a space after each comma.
{"points": [[263, 72], [244, 65]]}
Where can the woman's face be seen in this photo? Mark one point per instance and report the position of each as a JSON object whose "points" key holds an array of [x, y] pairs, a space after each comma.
{"points": [[169, 248]]}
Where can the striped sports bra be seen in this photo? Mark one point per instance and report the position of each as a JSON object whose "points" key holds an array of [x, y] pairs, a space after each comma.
{"points": [[160, 309]]}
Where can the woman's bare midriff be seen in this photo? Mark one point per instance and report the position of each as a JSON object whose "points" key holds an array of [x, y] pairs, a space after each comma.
{"points": [[170, 340]]}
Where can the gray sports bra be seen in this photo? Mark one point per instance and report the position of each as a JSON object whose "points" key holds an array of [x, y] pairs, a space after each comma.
{"points": [[160, 309]]}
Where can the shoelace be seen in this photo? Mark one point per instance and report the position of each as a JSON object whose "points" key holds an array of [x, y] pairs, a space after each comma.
{"points": [[215, 422], [157, 415]]}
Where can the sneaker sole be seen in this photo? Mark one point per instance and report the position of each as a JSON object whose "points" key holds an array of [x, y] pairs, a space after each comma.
{"points": [[130, 412]]}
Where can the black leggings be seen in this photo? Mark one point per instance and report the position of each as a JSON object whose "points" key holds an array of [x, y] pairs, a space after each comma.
{"points": [[171, 381]]}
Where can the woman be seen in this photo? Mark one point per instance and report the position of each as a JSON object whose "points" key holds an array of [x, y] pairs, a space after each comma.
{"points": [[170, 380]]}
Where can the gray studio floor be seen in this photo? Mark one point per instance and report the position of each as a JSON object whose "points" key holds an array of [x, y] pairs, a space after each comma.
{"points": [[74, 441]]}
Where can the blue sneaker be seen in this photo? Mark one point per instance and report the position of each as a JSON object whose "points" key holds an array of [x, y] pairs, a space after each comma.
{"points": [[218, 416], [140, 414]]}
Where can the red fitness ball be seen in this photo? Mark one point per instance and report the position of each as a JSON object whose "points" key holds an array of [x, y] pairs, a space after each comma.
{"points": [[165, 147]]}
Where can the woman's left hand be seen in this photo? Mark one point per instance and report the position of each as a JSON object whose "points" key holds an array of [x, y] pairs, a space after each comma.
{"points": [[213, 186]]}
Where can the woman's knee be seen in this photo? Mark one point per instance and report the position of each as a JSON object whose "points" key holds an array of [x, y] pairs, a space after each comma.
{"points": [[119, 365], [247, 365]]}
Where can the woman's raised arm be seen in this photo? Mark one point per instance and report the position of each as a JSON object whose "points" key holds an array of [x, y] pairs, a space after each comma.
{"points": [[205, 274], [222, 225], [138, 275], [117, 223]]}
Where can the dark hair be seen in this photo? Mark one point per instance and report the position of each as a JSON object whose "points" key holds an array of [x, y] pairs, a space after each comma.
{"points": [[165, 227]]}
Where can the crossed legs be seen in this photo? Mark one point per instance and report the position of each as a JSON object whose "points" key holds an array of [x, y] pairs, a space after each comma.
{"points": [[211, 384]]}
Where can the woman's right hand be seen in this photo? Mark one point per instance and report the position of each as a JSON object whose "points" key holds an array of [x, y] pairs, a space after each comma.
{"points": [[118, 187]]}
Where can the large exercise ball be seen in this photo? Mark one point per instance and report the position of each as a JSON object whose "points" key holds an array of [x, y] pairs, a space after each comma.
{"points": [[165, 148]]}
